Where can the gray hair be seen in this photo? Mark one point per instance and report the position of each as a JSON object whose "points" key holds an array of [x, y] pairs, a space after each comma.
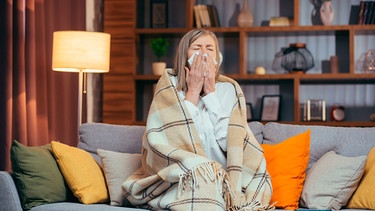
{"points": [[181, 60]]}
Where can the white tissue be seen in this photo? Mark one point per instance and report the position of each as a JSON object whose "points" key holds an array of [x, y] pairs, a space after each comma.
{"points": [[191, 59]]}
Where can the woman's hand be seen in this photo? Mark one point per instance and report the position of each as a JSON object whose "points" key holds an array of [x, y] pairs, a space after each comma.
{"points": [[200, 77], [209, 72], [195, 79]]}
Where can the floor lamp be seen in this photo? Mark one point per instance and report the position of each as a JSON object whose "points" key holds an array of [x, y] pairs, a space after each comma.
{"points": [[82, 52]]}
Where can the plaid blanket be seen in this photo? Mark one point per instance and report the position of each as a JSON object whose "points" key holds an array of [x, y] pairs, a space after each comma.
{"points": [[176, 174]]}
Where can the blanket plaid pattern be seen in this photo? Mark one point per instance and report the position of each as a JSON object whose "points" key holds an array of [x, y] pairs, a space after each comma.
{"points": [[176, 174]]}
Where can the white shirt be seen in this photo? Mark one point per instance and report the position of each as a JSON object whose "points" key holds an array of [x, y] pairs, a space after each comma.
{"points": [[211, 118]]}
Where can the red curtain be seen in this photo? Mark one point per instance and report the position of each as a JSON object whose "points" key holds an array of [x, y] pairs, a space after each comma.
{"points": [[37, 104]]}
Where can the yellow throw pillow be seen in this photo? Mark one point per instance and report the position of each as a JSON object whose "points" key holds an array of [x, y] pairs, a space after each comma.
{"points": [[286, 163], [81, 172], [363, 197]]}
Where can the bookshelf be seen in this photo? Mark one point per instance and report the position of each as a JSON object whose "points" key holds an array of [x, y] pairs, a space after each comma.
{"points": [[246, 48]]}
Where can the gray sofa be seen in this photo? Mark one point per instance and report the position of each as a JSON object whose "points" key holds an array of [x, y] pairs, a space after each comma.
{"points": [[344, 141]]}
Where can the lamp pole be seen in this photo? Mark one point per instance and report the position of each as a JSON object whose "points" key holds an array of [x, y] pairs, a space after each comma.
{"points": [[82, 52], [80, 84]]}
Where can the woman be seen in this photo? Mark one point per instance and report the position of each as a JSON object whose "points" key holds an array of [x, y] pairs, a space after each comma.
{"points": [[198, 151]]}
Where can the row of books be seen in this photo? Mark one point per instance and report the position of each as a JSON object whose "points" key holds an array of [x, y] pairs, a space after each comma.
{"points": [[366, 12], [363, 14], [206, 16]]}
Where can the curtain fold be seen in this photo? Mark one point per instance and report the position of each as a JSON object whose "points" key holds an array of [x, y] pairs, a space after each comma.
{"points": [[37, 104], [94, 22]]}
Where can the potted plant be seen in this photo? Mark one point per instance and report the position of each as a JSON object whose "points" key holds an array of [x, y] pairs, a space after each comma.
{"points": [[159, 49]]}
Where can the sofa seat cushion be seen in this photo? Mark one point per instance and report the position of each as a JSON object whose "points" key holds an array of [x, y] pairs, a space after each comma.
{"points": [[67, 206]]}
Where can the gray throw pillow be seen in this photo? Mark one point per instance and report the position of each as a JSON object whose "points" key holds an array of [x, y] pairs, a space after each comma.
{"points": [[118, 138], [117, 168], [331, 181]]}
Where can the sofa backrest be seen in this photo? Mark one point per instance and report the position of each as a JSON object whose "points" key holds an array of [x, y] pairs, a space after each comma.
{"points": [[124, 138], [118, 138], [345, 141]]}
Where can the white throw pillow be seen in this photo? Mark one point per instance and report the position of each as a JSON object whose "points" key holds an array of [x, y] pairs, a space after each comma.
{"points": [[331, 181], [117, 167]]}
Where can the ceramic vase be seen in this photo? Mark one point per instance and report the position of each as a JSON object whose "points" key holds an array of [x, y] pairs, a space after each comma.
{"points": [[327, 13], [245, 18]]}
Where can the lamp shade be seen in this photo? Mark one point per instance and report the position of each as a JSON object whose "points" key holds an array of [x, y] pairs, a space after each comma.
{"points": [[81, 51]]}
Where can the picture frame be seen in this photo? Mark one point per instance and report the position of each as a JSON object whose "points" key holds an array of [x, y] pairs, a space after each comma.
{"points": [[249, 112], [314, 110], [270, 109], [159, 13]]}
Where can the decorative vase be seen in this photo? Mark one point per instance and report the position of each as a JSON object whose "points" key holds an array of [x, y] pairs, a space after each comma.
{"points": [[327, 13], [297, 58], [276, 63], [158, 67], [315, 13], [245, 18]]}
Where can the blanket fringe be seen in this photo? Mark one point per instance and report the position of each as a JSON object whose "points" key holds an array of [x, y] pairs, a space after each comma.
{"points": [[209, 171], [212, 171], [253, 206]]}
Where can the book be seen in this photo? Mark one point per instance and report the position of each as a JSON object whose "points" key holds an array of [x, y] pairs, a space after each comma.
{"points": [[365, 12], [280, 21], [197, 18], [354, 14], [209, 9], [203, 18], [206, 22], [215, 15], [371, 13], [360, 14]]}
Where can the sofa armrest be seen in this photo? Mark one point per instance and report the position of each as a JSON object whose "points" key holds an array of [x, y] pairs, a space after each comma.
{"points": [[9, 199]]}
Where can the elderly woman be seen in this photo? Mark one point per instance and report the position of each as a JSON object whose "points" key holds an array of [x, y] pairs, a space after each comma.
{"points": [[198, 151]]}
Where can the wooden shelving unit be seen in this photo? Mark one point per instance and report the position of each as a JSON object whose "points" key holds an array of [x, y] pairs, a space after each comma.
{"points": [[236, 42]]}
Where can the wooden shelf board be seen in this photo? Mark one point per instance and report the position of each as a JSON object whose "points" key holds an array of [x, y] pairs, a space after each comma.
{"points": [[255, 29]]}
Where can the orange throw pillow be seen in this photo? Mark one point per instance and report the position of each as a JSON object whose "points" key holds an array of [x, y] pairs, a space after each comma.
{"points": [[286, 163]]}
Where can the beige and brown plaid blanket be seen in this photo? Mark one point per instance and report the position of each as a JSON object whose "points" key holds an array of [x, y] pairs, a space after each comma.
{"points": [[176, 174]]}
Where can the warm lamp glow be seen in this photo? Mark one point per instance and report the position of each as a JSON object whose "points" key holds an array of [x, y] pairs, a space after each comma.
{"points": [[75, 51], [82, 52]]}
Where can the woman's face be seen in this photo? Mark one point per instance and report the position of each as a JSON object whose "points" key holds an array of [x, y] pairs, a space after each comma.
{"points": [[204, 44]]}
